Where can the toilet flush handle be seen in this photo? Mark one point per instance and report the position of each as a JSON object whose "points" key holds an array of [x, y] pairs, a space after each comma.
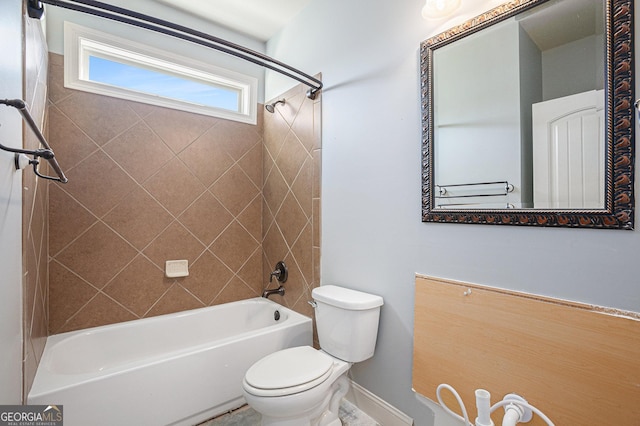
{"points": [[312, 303]]}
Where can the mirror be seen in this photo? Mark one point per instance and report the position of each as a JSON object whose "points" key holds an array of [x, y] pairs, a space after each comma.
{"points": [[528, 116]]}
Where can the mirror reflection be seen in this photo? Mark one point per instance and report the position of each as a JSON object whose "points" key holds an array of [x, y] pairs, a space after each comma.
{"points": [[519, 112]]}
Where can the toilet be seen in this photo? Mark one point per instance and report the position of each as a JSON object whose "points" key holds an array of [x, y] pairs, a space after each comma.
{"points": [[303, 386]]}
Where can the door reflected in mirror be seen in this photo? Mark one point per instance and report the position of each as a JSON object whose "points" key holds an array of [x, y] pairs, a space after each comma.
{"points": [[521, 114], [523, 102]]}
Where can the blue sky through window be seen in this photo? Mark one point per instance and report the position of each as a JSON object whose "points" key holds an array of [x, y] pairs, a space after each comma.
{"points": [[156, 83]]}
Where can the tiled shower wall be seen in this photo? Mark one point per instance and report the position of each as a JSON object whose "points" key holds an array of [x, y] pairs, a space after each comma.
{"points": [[34, 209], [291, 210], [149, 184]]}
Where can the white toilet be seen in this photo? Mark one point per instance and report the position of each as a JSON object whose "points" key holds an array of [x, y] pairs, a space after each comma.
{"points": [[303, 386]]}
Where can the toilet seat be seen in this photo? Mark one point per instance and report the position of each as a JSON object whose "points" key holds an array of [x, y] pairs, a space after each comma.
{"points": [[288, 371]]}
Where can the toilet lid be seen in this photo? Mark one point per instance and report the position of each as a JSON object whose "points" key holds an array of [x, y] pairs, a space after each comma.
{"points": [[290, 368]]}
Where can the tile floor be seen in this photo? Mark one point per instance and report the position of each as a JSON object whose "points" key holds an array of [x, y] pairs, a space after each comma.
{"points": [[349, 414]]}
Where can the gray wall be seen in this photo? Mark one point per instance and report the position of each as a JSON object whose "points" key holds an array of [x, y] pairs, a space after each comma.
{"points": [[10, 206], [372, 236], [569, 69], [478, 116], [530, 93]]}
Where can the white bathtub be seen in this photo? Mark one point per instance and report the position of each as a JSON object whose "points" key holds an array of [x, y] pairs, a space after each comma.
{"points": [[176, 369]]}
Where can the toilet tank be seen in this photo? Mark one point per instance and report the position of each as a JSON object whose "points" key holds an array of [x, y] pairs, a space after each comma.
{"points": [[347, 322]]}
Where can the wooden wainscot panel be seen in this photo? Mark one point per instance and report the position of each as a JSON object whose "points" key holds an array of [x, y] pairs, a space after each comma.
{"points": [[579, 364]]}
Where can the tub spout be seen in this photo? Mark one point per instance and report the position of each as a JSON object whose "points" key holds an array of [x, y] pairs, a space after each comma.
{"points": [[279, 290]]}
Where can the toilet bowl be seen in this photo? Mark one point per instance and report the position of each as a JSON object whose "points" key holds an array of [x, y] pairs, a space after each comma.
{"points": [[303, 386], [296, 387]]}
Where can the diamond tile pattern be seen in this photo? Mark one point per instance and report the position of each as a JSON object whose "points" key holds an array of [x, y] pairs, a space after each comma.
{"points": [[291, 168], [101, 118], [149, 184], [97, 255]]}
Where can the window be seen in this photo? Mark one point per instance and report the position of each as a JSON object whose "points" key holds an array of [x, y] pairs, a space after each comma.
{"points": [[108, 65]]}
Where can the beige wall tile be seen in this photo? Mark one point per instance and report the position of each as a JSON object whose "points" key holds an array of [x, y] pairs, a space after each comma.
{"points": [[275, 130], [235, 246], [302, 187], [101, 117], [295, 285], [138, 218], [98, 183], [177, 299], [290, 109], [206, 218], [62, 230], [251, 218], [72, 145], [303, 126], [235, 190], [97, 255], [251, 164], [207, 158], [134, 144], [207, 277], [291, 158], [291, 219], [160, 185], [235, 290], [174, 186], [174, 243], [274, 247], [251, 272], [291, 192], [68, 293], [100, 310], [237, 138], [177, 128], [139, 286], [274, 190], [303, 254]]}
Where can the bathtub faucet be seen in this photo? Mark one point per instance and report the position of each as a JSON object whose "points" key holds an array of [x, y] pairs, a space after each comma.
{"points": [[280, 272], [280, 290]]}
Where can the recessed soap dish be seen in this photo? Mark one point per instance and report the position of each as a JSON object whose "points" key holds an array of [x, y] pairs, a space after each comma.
{"points": [[176, 268]]}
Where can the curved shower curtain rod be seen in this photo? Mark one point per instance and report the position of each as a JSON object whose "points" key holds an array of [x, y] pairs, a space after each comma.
{"points": [[96, 8]]}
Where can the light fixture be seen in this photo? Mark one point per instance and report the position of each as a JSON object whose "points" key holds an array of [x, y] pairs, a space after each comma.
{"points": [[437, 9]]}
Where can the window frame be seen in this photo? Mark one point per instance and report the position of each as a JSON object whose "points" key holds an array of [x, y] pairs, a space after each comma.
{"points": [[81, 42]]}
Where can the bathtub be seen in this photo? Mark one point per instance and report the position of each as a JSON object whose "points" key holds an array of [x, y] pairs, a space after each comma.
{"points": [[176, 369]]}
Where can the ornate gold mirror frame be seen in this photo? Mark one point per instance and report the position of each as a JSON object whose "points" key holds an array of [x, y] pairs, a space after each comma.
{"points": [[618, 212]]}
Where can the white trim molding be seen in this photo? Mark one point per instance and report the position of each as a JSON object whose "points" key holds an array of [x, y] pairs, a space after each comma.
{"points": [[81, 42], [377, 408]]}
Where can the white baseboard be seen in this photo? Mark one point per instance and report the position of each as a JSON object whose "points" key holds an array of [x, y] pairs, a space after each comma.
{"points": [[375, 407]]}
